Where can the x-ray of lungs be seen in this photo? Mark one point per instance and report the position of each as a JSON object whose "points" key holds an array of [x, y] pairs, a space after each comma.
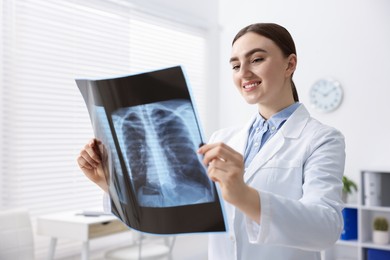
{"points": [[158, 142], [149, 132]]}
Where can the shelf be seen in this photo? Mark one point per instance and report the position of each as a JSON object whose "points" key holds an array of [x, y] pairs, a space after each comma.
{"points": [[375, 246], [375, 208], [351, 206], [347, 242], [357, 249]]}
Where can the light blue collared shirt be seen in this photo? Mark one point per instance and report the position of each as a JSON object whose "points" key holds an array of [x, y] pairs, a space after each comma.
{"points": [[262, 130]]}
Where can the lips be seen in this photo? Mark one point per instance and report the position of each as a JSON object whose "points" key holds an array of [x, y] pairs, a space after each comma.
{"points": [[251, 85]]}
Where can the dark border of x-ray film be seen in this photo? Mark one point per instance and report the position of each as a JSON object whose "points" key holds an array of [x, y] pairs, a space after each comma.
{"points": [[145, 88]]}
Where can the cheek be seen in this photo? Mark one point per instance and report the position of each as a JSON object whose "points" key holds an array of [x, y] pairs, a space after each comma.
{"points": [[236, 81], [274, 73]]}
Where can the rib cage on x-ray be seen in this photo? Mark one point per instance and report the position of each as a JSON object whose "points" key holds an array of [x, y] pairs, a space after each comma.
{"points": [[158, 142], [113, 160]]}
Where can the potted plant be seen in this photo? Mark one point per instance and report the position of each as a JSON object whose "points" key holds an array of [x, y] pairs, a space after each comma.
{"points": [[380, 233], [348, 187]]}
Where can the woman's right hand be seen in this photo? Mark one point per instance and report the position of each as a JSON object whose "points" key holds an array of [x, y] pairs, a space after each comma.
{"points": [[90, 162]]}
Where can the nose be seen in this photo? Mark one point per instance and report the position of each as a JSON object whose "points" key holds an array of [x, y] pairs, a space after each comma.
{"points": [[245, 71]]}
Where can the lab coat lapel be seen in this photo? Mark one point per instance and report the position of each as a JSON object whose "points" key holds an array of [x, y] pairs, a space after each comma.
{"points": [[291, 129], [265, 154], [239, 141]]}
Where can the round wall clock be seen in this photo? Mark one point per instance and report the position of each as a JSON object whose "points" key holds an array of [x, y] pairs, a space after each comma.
{"points": [[326, 95]]}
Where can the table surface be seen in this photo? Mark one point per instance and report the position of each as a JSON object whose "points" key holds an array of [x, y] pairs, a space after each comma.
{"points": [[75, 225], [79, 217]]}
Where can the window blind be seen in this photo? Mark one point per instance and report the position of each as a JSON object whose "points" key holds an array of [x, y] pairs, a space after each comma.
{"points": [[46, 45]]}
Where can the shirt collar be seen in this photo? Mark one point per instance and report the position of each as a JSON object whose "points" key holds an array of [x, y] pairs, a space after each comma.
{"points": [[277, 120]]}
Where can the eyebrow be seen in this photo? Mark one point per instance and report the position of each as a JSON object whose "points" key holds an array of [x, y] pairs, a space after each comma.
{"points": [[249, 53]]}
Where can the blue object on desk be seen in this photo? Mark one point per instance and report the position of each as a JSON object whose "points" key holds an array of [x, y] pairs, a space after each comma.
{"points": [[376, 254], [350, 230]]}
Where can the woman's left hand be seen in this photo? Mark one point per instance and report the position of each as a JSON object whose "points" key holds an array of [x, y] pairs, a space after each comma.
{"points": [[226, 166]]}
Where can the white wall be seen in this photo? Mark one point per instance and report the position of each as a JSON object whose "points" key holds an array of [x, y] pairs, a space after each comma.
{"points": [[348, 40], [1, 100]]}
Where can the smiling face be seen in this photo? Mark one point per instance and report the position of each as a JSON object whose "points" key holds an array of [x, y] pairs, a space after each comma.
{"points": [[261, 73]]}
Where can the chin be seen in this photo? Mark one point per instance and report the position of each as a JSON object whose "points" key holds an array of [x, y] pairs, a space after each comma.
{"points": [[251, 101], [251, 98]]}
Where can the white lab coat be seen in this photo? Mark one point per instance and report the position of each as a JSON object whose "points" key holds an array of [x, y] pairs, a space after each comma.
{"points": [[298, 174]]}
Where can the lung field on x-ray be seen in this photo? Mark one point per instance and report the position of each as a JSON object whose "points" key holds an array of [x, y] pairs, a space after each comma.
{"points": [[158, 142]]}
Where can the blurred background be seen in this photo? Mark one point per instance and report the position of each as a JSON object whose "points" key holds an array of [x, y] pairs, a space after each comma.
{"points": [[45, 45]]}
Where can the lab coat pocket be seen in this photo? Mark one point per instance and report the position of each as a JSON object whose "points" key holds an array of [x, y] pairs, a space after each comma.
{"points": [[284, 177], [283, 164]]}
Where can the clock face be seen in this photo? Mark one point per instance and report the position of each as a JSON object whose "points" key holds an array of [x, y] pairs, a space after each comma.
{"points": [[326, 95]]}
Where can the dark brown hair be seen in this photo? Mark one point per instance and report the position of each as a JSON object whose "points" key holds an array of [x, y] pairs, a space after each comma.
{"points": [[279, 35]]}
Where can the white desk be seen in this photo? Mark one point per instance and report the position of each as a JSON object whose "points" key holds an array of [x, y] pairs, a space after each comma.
{"points": [[78, 227]]}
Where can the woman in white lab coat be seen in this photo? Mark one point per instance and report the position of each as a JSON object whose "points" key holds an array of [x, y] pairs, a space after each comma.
{"points": [[281, 174], [282, 185]]}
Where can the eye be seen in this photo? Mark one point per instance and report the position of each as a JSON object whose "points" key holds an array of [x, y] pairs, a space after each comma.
{"points": [[257, 60], [235, 67]]}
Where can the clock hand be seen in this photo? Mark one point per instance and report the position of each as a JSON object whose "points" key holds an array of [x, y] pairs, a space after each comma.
{"points": [[328, 92]]}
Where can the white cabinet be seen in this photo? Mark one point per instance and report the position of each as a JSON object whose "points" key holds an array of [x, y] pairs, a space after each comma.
{"points": [[358, 249]]}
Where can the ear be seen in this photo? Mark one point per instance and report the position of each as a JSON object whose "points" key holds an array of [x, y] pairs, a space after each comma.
{"points": [[291, 64]]}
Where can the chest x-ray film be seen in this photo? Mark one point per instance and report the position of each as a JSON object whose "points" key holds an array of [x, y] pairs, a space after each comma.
{"points": [[150, 132]]}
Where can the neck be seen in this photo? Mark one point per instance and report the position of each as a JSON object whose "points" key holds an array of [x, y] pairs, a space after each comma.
{"points": [[268, 111]]}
